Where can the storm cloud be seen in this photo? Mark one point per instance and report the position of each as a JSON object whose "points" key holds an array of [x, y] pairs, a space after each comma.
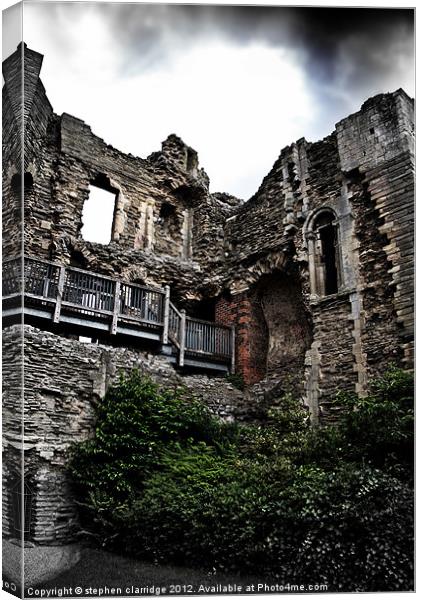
{"points": [[191, 63], [351, 46]]}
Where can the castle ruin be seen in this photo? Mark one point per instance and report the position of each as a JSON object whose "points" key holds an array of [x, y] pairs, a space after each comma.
{"points": [[307, 286]]}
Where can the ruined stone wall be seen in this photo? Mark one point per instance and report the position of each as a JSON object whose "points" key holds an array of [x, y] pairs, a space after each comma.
{"points": [[363, 174], [38, 111], [12, 418], [64, 380], [153, 199], [272, 246], [392, 193], [381, 130], [12, 109], [11, 128], [210, 247], [160, 201], [168, 229], [11, 217], [334, 357], [273, 330], [258, 264], [289, 332], [378, 143], [266, 232], [40, 214], [37, 115]]}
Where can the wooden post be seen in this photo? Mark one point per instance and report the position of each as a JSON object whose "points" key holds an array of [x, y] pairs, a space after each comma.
{"points": [[233, 350], [60, 288], [182, 337], [46, 287], [166, 315], [116, 308], [146, 305]]}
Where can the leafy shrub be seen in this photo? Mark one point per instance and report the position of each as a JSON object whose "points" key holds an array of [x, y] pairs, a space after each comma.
{"points": [[377, 429], [137, 422], [355, 525], [164, 480]]}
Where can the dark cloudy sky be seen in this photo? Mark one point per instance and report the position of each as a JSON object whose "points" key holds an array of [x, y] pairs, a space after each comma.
{"points": [[237, 83]]}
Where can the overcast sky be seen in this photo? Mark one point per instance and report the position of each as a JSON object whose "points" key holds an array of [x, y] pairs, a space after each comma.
{"points": [[236, 83]]}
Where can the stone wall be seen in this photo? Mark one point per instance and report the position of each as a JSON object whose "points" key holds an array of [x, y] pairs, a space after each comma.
{"points": [[376, 148], [363, 174], [12, 419], [64, 380], [160, 200]]}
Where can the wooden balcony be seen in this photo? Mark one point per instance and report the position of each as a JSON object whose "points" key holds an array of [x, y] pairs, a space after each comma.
{"points": [[99, 306]]}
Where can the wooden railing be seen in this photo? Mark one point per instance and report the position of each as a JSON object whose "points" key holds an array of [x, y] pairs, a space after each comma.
{"points": [[101, 297], [174, 324], [205, 337]]}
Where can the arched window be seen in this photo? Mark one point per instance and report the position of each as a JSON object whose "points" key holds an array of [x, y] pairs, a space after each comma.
{"points": [[324, 254]]}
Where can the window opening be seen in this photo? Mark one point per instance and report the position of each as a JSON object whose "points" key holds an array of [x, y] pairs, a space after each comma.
{"points": [[78, 260], [328, 240], [167, 216], [16, 183], [98, 211], [204, 310], [324, 255]]}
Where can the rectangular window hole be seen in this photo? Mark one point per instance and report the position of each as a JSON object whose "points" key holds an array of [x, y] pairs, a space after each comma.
{"points": [[98, 216]]}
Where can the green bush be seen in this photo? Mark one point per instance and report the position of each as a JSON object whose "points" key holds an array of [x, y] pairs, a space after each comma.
{"points": [[137, 423], [355, 525], [377, 429], [164, 480]]}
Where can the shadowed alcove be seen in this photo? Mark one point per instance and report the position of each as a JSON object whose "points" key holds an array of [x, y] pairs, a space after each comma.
{"points": [[281, 331]]}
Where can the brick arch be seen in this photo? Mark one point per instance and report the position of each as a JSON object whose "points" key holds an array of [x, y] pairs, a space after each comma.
{"points": [[273, 329]]}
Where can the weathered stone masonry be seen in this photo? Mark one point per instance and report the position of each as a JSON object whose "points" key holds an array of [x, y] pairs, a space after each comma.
{"points": [[64, 379], [315, 271]]}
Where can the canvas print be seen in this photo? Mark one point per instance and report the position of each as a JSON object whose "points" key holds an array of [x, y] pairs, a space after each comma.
{"points": [[208, 317]]}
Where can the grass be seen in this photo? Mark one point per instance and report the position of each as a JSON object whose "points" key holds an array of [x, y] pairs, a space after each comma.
{"points": [[100, 569]]}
